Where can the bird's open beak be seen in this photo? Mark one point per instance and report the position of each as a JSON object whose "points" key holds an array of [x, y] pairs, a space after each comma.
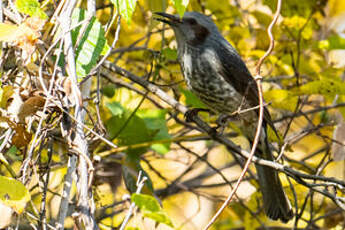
{"points": [[168, 18]]}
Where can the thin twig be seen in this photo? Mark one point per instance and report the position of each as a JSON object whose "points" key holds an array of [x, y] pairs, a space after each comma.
{"points": [[43, 217], [140, 185], [71, 165], [233, 148], [84, 217]]}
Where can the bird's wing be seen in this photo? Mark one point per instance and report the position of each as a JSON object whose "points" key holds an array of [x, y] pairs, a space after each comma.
{"points": [[235, 72]]}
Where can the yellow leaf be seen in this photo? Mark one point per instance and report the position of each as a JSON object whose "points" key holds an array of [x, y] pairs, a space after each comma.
{"points": [[297, 23], [336, 7], [281, 99], [6, 93], [325, 87], [13, 194]]}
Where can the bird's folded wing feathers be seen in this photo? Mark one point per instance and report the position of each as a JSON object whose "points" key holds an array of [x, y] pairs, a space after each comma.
{"points": [[237, 74]]}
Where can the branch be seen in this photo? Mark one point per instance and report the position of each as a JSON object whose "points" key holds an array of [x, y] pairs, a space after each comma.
{"points": [[260, 120], [107, 65], [140, 185], [84, 216]]}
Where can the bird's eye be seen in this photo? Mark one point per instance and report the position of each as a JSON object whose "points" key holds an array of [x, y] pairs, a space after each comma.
{"points": [[192, 21]]}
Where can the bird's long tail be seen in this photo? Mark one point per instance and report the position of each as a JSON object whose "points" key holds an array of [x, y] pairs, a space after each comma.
{"points": [[276, 204]]}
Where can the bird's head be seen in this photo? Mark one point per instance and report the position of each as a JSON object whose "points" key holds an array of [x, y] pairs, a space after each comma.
{"points": [[193, 28]]}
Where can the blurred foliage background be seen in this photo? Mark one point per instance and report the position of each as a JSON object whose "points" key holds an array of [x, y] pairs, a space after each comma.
{"points": [[188, 174]]}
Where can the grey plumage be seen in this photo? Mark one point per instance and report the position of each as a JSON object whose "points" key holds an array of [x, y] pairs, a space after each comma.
{"points": [[215, 72]]}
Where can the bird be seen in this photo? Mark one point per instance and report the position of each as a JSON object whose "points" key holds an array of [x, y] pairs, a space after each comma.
{"points": [[215, 72]]}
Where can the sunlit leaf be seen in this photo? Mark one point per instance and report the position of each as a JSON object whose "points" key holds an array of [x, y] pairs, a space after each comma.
{"points": [[181, 6], [296, 7], [146, 202], [155, 121], [262, 17], [191, 99], [159, 217], [13, 194], [115, 108], [91, 44], [333, 42], [5, 94], [324, 87], [169, 54], [30, 7], [126, 8], [129, 129], [220, 8], [336, 7], [282, 99], [157, 5], [297, 24]]}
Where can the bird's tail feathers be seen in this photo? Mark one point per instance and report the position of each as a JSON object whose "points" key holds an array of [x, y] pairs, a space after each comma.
{"points": [[276, 204]]}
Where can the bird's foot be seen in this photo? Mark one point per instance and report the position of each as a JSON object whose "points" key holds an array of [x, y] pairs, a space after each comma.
{"points": [[222, 122], [191, 113]]}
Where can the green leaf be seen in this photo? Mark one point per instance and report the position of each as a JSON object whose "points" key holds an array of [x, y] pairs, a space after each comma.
{"points": [[157, 5], [161, 148], [332, 43], [115, 108], [296, 7], [151, 208], [129, 130], [108, 90], [146, 202], [220, 8], [91, 44], [169, 54], [159, 217], [30, 7], [262, 17], [13, 194], [129, 179], [156, 122], [181, 6], [191, 99], [126, 8]]}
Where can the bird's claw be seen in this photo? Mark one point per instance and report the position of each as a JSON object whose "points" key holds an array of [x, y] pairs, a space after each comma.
{"points": [[191, 113]]}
